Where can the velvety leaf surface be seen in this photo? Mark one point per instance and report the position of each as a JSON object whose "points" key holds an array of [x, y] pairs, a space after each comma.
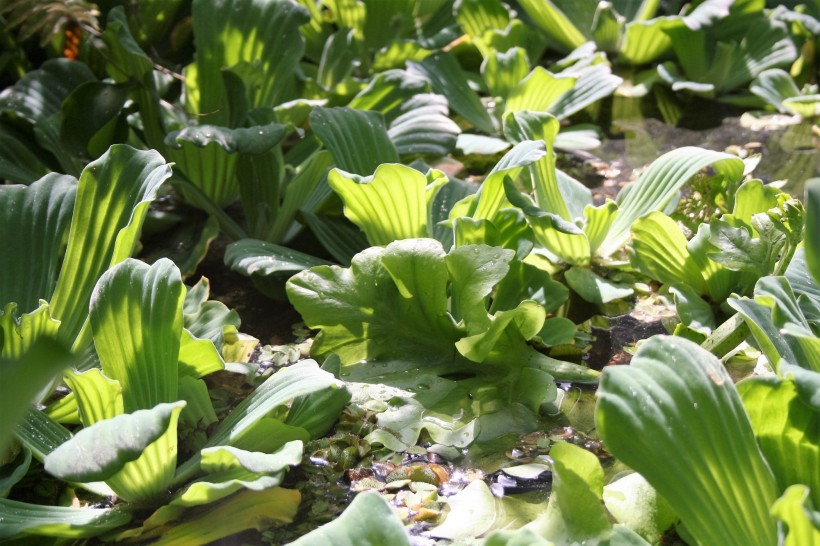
{"points": [[368, 521], [101, 450], [674, 416], [136, 318], [39, 216], [112, 200], [657, 185], [357, 139]]}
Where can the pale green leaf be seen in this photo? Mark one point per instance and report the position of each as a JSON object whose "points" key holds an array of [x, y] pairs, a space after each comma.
{"points": [[289, 383], [796, 510], [575, 513], [786, 429], [368, 520], [674, 416], [658, 250], [560, 22], [503, 71], [646, 41], [473, 279], [423, 127], [539, 91], [660, 182], [472, 513], [634, 503], [99, 451], [593, 84], [812, 232], [245, 510]]}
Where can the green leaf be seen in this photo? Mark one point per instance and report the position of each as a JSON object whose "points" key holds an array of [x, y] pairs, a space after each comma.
{"points": [[40, 93], [575, 513], [796, 510], [13, 469], [717, 480], [287, 384], [272, 45], [358, 140], [388, 91], [103, 449], [774, 86], [539, 91], [594, 288], [637, 505], [245, 510], [39, 216], [253, 257], [491, 198], [660, 182], [787, 430], [446, 78], [91, 117], [423, 127], [472, 513], [560, 21], [20, 160], [646, 41], [658, 249], [112, 199], [23, 377], [812, 233], [20, 518], [693, 310], [368, 520], [503, 71], [318, 411], [593, 84], [473, 279], [204, 318], [375, 305], [390, 205], [136, 317], [208, 156]]}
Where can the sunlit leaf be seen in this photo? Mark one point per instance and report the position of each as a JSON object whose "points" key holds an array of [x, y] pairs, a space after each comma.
{"points": [[674, 416], [786, 429], [795, 509], [112, 200], [101, 450], [390, 205], [660, 182], [368, 520]]}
